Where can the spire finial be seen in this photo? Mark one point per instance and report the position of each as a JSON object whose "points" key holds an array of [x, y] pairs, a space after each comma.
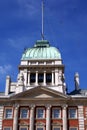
{"points": [[42, 20]]}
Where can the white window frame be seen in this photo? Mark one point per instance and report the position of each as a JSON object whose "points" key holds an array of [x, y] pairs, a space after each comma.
{"points": [[23, 127], [56, 127], [22, 108], [5, 115], [69, 115], [54, 108], [73, 128], [37, 127], [37, 113], [10, 128]]}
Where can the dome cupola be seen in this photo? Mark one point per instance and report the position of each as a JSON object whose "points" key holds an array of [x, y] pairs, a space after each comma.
{"points": [[41, 50]]}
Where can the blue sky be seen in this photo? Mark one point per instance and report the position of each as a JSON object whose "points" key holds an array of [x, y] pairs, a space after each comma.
{"points": [[65, 25]]}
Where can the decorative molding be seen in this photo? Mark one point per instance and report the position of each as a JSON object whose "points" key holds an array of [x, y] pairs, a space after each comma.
{"points": [[48, 106], [40, 124], [57, 123]]}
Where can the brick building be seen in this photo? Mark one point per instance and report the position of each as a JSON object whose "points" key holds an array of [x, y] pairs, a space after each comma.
{"points": [[39, 100]]}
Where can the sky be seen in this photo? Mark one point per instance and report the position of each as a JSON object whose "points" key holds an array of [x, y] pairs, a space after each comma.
{"points": [[65, 27]]}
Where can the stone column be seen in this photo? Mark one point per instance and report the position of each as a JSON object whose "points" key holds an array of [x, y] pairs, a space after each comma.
{"points": [[29, 78], [52, 77], [25, 77], [44, 77], [56, 76], [32, 117], [36, 77], [15, 121], [48, 118], [64, 117]]}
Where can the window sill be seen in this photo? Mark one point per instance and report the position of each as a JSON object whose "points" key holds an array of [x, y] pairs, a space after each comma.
{"points": [[8, 118], [72, 118], [23, 118], [40, 118], [56, 118]]}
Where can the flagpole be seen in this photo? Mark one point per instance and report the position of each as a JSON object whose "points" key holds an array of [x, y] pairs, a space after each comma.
{"points": [[42, 20]]}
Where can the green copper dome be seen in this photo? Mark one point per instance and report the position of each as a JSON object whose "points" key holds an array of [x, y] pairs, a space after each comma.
{"points": [[41, 50]]}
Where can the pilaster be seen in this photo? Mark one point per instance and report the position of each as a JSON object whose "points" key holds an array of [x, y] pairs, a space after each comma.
{"points": [[64, 109], [15, 121], [48, 118], [32, 107]]}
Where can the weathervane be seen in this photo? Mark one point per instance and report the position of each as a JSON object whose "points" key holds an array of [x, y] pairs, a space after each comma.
{"points": [[42, 34]]}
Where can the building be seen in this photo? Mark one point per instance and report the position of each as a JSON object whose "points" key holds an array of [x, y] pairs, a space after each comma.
{"points": [[39, 99]]}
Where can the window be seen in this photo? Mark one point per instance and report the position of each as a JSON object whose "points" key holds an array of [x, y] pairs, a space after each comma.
{"points": [[32, 77], [73, 128], [24, 113], [8, 113], [56, 128], [39, 128], [40, 78], [56, 113], [40, 113], [48, 78], [23, 128], [7, 128], [72, 113]]}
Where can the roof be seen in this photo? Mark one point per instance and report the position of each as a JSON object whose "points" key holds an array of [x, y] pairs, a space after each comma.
{"points": [[41, 50], [78, 92]]}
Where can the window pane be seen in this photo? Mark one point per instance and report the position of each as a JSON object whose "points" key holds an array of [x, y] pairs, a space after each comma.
{"points": [[73, 128], [23, 128], [56, 113], [24, 113], [72, 113], [6, 128], [39, 128], [40, 113], [56, 129], [32, 77], [48, 78], [40, 78], [8, 113]]}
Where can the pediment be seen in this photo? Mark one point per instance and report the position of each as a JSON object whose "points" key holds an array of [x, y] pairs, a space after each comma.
{"points": [[40, 93]]}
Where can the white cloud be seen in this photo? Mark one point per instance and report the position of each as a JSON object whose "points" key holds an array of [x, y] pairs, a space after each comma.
{"points": [[5, 69], [17, 42], [27, 7]]}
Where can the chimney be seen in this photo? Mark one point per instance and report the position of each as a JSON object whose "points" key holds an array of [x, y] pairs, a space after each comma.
{"points": [[7, 88]]}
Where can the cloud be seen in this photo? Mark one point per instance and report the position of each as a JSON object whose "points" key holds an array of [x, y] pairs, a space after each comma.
{"points": [[17, 43], [27, 8], [5, 69]]}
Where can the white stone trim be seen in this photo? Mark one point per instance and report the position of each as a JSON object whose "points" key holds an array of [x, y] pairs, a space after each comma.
{"points": [[64, 110], [1, 116], [81, 117]]}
